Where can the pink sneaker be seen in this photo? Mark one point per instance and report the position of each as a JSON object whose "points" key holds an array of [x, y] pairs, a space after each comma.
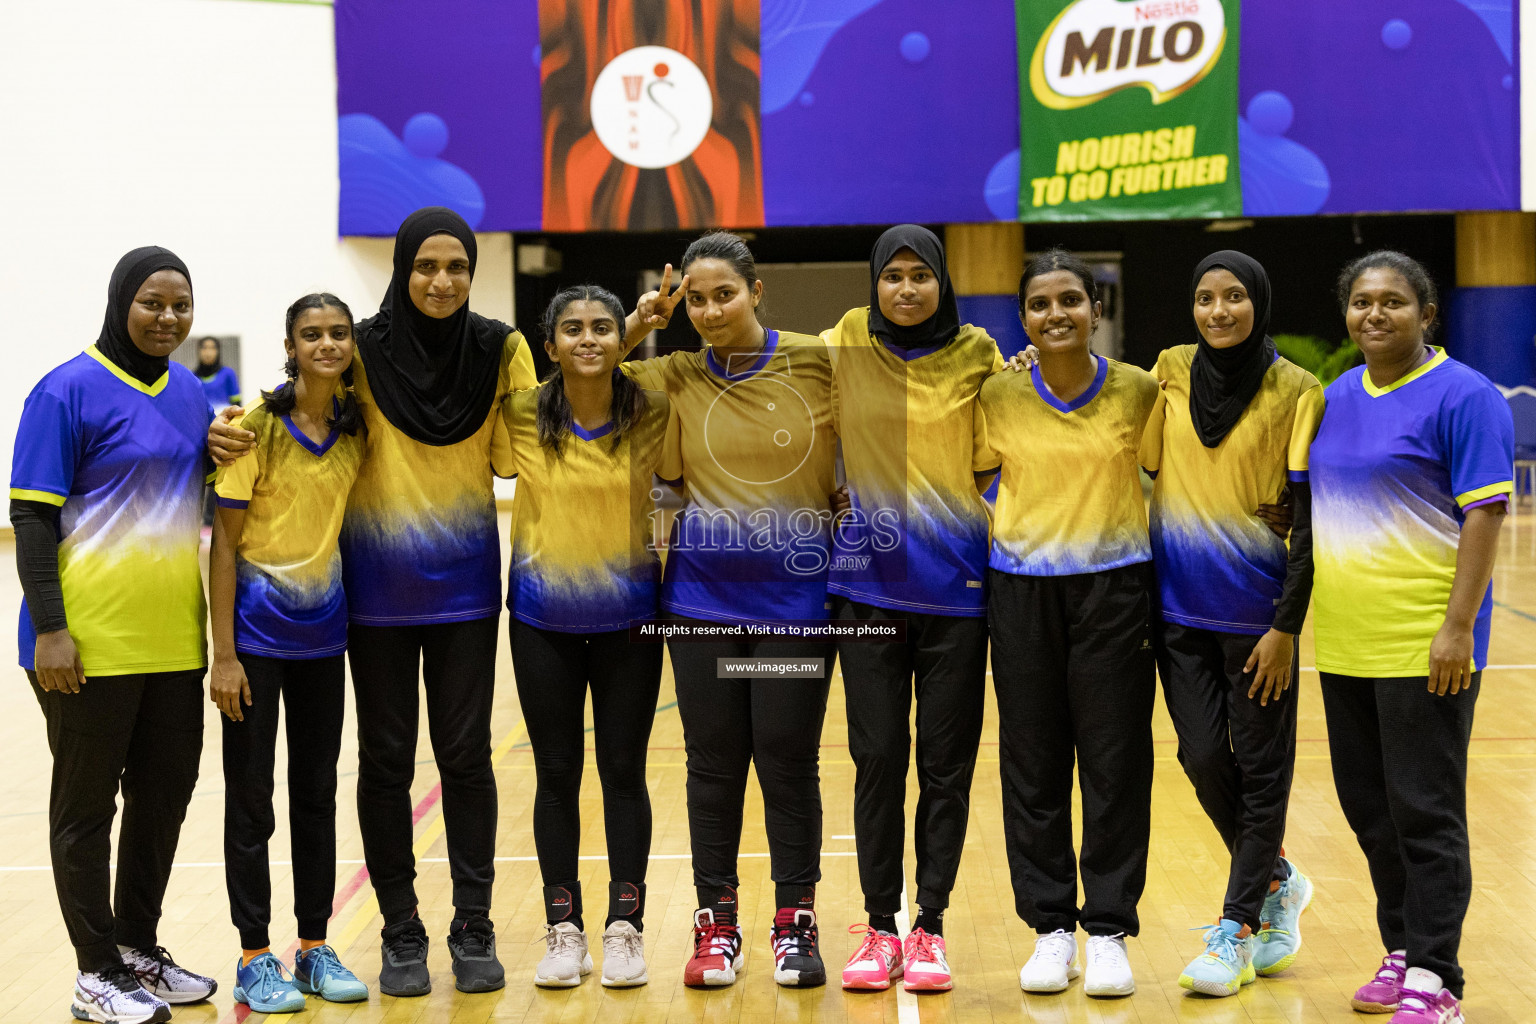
{"points": [[877, 961], [1382, 993], [924, 963], [1423, 1008]]}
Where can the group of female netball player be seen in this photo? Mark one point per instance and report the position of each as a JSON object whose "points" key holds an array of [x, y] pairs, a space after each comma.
{"points": [[356, 516]]}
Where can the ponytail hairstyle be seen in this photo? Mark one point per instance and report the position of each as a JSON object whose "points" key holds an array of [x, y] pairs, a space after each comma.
{"points": [[554, 413], [280, 400], [731, 249]]}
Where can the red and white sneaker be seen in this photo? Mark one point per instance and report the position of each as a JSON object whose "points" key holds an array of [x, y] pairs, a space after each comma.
{"points": [[716, 952], [923, 963], [877, 961]]}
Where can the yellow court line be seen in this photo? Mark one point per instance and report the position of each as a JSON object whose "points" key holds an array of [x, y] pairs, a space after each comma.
{"points": [[370, 908]]}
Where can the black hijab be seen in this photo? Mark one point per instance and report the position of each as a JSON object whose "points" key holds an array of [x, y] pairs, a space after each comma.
{"points": [[944, 324], [207, 370], [433, 379], [1222, 381], [127, 278]]}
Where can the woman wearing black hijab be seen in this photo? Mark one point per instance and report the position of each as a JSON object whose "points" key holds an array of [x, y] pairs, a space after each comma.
{"points": [[1233, 433], [911, 548], [422, 567], [106, 495]]}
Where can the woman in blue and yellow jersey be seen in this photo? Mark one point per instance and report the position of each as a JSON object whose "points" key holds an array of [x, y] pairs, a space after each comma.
{"points": [[421, 564], [1069, 599], [106, 498], [1230, 437], [912, 549], [279, 632], [748, 558], [585, 446], [1411, 478]]}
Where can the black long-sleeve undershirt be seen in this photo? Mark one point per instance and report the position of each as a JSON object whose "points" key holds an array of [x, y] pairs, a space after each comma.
{"points": [[1296, 593], [37, 562]]}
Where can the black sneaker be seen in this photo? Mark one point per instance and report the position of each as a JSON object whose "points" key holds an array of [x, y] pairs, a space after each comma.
{"points": [[404, 948], [472, 941], [797, 962]]}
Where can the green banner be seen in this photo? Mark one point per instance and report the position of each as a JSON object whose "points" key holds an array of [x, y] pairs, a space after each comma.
{"points": [[1128, 109]]}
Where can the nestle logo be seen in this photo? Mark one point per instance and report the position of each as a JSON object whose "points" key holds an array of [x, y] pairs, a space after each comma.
{"points": [[1097, 47]]}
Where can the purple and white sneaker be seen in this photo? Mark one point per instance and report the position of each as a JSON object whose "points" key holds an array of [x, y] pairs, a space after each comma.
{"points": [[1382, 993], [1428, 1008], [165, 978], [114, 996]]}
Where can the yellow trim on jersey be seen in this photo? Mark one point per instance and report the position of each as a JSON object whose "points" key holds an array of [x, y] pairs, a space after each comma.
{"points": [[1506, 487], [48, 497], [1410, 376], [149, 389], [1309, 416]]}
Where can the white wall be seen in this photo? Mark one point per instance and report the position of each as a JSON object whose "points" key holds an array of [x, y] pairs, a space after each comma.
{"points": [[206, 126]]}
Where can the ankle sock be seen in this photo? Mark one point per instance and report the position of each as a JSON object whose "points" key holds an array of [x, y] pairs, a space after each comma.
{"points": [[719, 899], [626, 902], [794, 897], [563, 903], [305, 945], [247, 955], [883, 923], [930, 920]]}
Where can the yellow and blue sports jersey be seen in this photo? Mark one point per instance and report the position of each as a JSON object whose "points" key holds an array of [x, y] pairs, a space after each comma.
{"points": [[1393, 471], [1069, 500], [419, 542], [289, 601], [583, 559], [126, 463], [756, 454], [1219, 566], [916, 536]]}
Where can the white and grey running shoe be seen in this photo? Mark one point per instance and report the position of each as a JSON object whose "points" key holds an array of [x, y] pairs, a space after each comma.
{"points": [[114, 996], [164, 978]]}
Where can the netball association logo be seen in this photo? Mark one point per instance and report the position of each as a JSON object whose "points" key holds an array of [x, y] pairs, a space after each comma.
{"points": [[651, 107], [1098, 47]]}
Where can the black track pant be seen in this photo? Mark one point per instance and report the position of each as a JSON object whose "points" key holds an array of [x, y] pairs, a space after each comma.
{"points": [[314, 701], [1400, 767], [772, 724], [457, 663], [1239, 754], [140, 735], [1073, 668], [947, 655], [554, 671]]}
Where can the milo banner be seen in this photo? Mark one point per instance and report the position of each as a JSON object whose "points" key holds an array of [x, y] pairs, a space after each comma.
{"points": [[1128, 109]]}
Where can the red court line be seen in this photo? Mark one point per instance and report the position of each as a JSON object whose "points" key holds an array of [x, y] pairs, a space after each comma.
{"points": [[240, 1011]]}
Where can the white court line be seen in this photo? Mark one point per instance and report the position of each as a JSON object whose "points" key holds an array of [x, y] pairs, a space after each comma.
{"points": [[906, 1002], [422, 860]]}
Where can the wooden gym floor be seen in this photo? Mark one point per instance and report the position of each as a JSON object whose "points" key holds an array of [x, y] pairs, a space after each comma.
{"points": [[987, 943]]}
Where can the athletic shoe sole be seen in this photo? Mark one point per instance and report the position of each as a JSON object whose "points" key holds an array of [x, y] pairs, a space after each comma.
{"points": [[927, 985], [310, 990], [1286, 961], [800, 979], [1364, 1007], [406, 991], [586, 969], [1073, 973], [717, 979], [870, 984], [1209, 988], [240, 997], [159, 1016], [626, 982]]}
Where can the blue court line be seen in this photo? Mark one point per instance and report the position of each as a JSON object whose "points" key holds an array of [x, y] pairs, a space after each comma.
{"points": [[1514, 611]]}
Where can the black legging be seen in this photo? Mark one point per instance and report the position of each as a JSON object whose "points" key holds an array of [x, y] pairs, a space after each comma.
{"points": [[729, 725], [456, 663], [313, 703], [553, 673]]}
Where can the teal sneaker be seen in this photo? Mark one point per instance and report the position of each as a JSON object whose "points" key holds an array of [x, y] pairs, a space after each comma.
{"points": [[1279, 940], [265, 987], [319, 972], [1227, 963]]}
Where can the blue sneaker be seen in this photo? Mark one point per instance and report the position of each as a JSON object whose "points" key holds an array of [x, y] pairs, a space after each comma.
{"points": [[265, 987], [1279, 940], [1227, 963], [318, 972]]}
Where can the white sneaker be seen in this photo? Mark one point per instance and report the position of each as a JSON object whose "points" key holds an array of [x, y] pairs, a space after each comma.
{"points": [[566, 961], [165, 978], [1051, 967], [115, 996], [623, 956], [1109, 969]]}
